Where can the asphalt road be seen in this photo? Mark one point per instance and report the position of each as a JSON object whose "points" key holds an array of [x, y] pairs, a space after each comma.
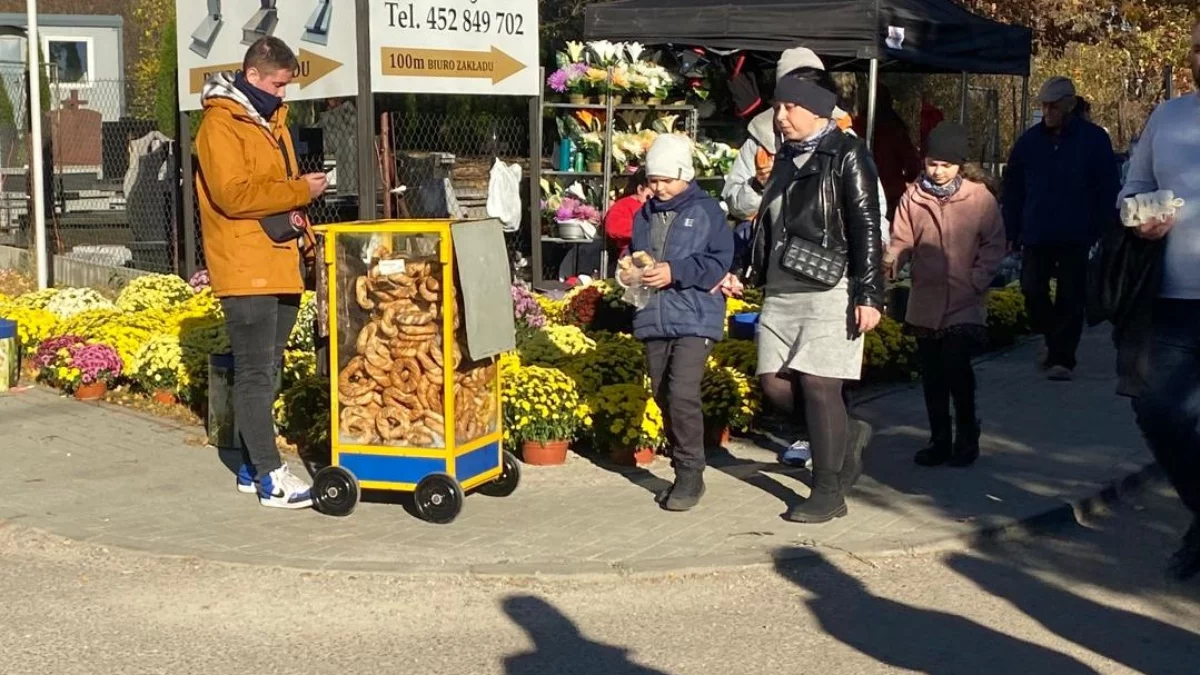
{"points": [[1080, 600]]}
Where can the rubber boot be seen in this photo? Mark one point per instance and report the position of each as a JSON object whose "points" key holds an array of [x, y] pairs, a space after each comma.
{"points": [[856, 442], [941, 445], [966, 446], [826, 502], [685, 494]]}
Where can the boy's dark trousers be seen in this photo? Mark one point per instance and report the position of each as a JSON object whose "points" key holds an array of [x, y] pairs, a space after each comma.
{"points": [[947, 374], [676, 370]]}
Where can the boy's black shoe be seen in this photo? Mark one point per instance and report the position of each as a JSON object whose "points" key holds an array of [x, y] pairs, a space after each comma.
{"points": [[687, 491], [1185, 563], [856, 442], [966, 446], [940, 448], [825, 504]]}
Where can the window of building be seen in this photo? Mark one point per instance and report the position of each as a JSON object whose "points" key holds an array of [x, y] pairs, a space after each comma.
{"points": [[72, 59]]}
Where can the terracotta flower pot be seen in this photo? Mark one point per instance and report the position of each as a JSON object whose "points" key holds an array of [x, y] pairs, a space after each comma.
{"points": [[165, 397], [553, 453], [631, 457], [716, 437], [91, 392]]}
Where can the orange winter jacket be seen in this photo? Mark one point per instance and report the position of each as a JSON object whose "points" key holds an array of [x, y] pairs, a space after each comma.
{"points": [[247, 172]]}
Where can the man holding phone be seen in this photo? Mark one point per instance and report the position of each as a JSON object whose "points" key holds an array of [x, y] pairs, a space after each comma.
{"points": [[256, 236]]}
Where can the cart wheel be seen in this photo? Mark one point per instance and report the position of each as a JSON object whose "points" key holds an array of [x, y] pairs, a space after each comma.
{"points": [[335, 491], [438, 498], [510, 478]]}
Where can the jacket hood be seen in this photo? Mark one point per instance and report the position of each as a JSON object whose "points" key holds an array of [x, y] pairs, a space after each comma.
{"points": [[762, 130], [220, 88]]}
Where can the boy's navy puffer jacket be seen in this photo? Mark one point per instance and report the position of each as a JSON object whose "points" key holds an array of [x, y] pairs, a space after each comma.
{"points": [[699, 247]]}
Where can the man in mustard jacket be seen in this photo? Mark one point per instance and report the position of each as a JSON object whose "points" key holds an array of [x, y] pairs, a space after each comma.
{"points": [[254, 229]]}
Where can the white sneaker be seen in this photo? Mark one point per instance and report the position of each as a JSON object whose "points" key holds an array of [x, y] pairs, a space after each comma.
{"points": [[281, 489], [800, 454]]}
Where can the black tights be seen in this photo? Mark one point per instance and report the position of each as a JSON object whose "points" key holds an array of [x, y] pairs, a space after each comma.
{"points": [[824, 413]]}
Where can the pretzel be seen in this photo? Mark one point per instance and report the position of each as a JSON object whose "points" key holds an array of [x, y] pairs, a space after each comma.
{"points": [[358, 423], [418, 269], [436, 423], [406, 376], [387, 324], [365, 336], [429, 290], [419, 435], [360, 294], [392, 423]]}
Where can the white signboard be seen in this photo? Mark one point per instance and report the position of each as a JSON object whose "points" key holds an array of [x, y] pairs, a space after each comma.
{"points": [[455, 46], [214, 36]]}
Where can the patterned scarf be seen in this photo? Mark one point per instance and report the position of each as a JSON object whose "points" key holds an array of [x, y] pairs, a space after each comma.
{"points": [[793, 149], [942, 192]]}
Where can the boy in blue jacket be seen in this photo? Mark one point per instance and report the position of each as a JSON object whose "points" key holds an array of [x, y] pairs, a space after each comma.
{"points": [[686, 233]]}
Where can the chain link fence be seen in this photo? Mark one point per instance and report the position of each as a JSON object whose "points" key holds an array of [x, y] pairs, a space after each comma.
{"points": [[111, 179]]}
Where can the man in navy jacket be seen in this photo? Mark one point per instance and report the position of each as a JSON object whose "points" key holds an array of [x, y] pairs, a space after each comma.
{"points": [[1060, 185]]}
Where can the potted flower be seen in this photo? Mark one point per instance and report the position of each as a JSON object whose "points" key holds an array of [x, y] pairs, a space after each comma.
{"points": [[156, 368], [729, 403], [98, 366], [542, 413], [53, 361], [628, 423]]}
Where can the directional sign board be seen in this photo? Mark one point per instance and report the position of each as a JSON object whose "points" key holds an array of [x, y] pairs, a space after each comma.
{"points": [[214, 36], [455, 46]]}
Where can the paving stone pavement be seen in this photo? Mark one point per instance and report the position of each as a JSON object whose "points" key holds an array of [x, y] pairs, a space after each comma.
{"points": [[115, 477]]}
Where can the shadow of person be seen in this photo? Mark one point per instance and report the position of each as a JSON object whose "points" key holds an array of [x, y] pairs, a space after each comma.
{"points": [[1138, 642], [910, 638], [559, 647]]}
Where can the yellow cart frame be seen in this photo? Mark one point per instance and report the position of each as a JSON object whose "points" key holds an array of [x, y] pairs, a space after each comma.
{"points": [[438, 477]]}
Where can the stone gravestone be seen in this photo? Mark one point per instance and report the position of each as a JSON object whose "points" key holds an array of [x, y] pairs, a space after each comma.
{"points": [[77, 133]]}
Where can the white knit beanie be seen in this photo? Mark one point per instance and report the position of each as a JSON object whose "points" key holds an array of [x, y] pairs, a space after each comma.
{"points": [[671, 157], [797, 57]]}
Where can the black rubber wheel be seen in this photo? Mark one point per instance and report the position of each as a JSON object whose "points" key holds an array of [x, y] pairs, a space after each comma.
{"points": [[438, 499], [335, 491], [510, 478]]}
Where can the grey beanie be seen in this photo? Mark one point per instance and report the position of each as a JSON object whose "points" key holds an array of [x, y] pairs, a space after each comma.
{"points": [[948, 143], [671, 157], [797, 57]]}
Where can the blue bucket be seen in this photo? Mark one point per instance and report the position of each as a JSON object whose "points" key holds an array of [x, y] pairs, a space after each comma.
{"points": [[8, 329], [743, 326]]}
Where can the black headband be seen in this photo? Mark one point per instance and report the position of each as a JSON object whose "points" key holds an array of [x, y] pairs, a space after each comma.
{"points": [[808, 95]]}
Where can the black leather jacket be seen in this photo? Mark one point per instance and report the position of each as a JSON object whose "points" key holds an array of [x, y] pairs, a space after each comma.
{"points": [[833, 199]]}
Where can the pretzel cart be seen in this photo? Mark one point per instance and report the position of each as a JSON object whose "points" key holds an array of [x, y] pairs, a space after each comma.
{"points": [[418, 313]]}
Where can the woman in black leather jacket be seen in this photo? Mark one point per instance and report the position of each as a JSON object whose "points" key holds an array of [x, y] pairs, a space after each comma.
{"points": [[820, 212]]}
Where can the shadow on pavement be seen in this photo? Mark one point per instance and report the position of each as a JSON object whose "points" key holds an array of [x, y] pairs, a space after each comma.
{"points": [[911, 638], [559, 647], [1138, 642]]}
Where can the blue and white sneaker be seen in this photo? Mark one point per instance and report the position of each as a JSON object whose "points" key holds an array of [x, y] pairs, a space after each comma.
{"points": [[281, 489], [245, 479], [800, 454]]}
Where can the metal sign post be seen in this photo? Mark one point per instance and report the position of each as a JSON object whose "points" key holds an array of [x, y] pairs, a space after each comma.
{"points": [[36, 160]]}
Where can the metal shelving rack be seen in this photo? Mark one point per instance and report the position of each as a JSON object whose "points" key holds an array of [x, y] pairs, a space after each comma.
{"points": [[538, 108]]}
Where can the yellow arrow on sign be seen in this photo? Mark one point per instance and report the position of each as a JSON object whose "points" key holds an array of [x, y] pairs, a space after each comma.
{"points": [[494, 64], [313, 67]]}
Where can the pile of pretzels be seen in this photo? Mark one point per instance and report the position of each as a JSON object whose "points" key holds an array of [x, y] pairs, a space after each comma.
{"points": [[391, 390]]}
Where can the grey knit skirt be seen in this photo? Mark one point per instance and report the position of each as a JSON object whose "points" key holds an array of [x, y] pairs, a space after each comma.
{"points": [[810, 332]]}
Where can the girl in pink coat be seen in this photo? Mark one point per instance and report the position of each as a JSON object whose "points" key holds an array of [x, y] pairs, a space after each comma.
{"points": [[949, 227]]}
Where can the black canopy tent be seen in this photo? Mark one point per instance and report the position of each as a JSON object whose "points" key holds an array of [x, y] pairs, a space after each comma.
{"points": [[922, 36]]}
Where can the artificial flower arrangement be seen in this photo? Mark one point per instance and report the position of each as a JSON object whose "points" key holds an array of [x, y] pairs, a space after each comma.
{"points": [[159, 291], [626, 417], [541, 405], [584, 69], [714, 159]]}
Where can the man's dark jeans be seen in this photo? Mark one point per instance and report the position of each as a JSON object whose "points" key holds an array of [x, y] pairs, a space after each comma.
{"points": [[259, 327], [1060, 321], [676, 370], [1168, 412]]}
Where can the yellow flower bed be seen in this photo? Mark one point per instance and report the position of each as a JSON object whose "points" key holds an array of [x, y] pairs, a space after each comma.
{"points": [[625, 416], [555, 345], [33, 325], [729, 398], [158, 364], [541, 404], [160, 291]]}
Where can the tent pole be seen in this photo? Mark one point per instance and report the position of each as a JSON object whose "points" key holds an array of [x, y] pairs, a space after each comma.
{"points": [[1024, 105], [872, 99], [965, 96]]}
